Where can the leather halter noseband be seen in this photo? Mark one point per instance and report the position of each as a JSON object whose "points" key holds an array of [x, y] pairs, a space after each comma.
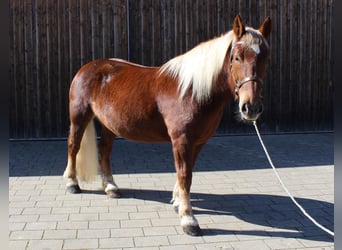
{"points": [[238, 84]]}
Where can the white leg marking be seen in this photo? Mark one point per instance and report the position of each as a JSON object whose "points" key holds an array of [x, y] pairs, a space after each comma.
{"points": [[189, 220], [175, 203], [67, 170], [111, 187], [109, 184], [175, 197], [175, 193], [71, 182]]}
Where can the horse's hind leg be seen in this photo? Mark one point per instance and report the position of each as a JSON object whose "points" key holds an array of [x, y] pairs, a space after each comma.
{"points": [[77, 129], [105, 150]]}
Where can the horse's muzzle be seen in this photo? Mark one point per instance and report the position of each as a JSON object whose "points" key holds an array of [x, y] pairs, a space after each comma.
{"points": [[251, 111]]}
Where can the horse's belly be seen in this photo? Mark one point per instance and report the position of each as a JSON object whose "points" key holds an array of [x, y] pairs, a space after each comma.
{"points": [[132, 127], [142, 133]]}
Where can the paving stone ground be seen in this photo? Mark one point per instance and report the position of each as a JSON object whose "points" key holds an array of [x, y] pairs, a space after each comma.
{"points": [[235, 196]]}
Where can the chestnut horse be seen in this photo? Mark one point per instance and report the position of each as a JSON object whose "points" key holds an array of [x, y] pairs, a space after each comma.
{"points": [[181, 102]]}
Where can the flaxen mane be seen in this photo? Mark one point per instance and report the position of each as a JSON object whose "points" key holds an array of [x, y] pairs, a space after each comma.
{"points": [[199, 67]]}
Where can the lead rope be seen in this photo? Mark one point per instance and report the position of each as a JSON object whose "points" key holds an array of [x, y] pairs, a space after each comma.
{"points": [[284, 187]]}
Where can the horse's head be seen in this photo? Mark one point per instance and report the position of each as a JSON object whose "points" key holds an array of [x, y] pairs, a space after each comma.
{"points": [[249, 55]]}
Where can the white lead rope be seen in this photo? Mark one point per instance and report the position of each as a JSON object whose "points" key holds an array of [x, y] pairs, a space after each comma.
{"points": [[284, 187]]}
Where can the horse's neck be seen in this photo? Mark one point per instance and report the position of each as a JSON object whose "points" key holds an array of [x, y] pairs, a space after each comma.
{"points": [[223, 88]]}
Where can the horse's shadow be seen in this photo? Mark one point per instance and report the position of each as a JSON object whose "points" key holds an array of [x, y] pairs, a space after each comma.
{"points": [[277, 212]]}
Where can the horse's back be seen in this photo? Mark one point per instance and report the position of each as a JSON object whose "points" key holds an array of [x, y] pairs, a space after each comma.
{"points": [[103, 69], [122, 96]]}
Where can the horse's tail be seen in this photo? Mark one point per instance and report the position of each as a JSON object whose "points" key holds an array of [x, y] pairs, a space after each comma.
{"points": [[87, 157]]}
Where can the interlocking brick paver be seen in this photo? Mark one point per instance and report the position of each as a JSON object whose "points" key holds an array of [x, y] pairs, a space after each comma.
{"points": [[16, 226], [150, 241], [45, 245], [135, 223], [35, 210], [47, 203], [124, 232], [81, 244], [72, 225], [54, 217], [93, 233], [215, 246], [250, 244], [84, 217], [124, 209], [15, 211], [184, 239], [60, 234], [235, 196], [23, 218], [89, 210], [18, 244], [143, 215], [116, 242], [114, 216], [214, 236], [26, 235], [16, 197], [166, 221], [104, 224], [21, 204], [183, 247], [150, 231], [40, 225], [281, 243]]}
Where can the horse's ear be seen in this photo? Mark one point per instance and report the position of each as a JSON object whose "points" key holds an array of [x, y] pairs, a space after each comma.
{"points": [[238, 27], [265, 28]]}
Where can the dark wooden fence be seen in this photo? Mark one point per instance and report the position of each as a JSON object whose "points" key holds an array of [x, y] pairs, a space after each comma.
{"points": [[51, 39]]}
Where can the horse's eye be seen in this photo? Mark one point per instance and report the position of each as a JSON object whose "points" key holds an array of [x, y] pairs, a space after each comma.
{"points": [[237, 59]]}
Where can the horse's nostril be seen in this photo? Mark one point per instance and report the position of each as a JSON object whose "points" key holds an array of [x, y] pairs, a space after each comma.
{"points": [[244, 108], [252, 109], [260, 108]]}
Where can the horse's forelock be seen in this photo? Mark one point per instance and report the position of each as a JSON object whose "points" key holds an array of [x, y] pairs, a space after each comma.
{"points": [[253, 36]]}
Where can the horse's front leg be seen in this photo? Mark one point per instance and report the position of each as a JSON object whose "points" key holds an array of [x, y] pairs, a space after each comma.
{"points": [[175, 193], [105, 150], [183, 156]]}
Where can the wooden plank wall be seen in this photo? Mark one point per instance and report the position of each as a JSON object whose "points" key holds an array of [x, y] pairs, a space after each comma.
{"points": [[51, 39]]}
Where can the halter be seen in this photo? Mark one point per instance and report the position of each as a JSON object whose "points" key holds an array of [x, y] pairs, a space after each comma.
{"points": [[238, 84]]}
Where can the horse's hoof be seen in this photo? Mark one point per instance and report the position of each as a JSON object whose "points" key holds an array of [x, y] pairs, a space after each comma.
{"points": [[74, 189], [113, 193], [193, 230]]}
